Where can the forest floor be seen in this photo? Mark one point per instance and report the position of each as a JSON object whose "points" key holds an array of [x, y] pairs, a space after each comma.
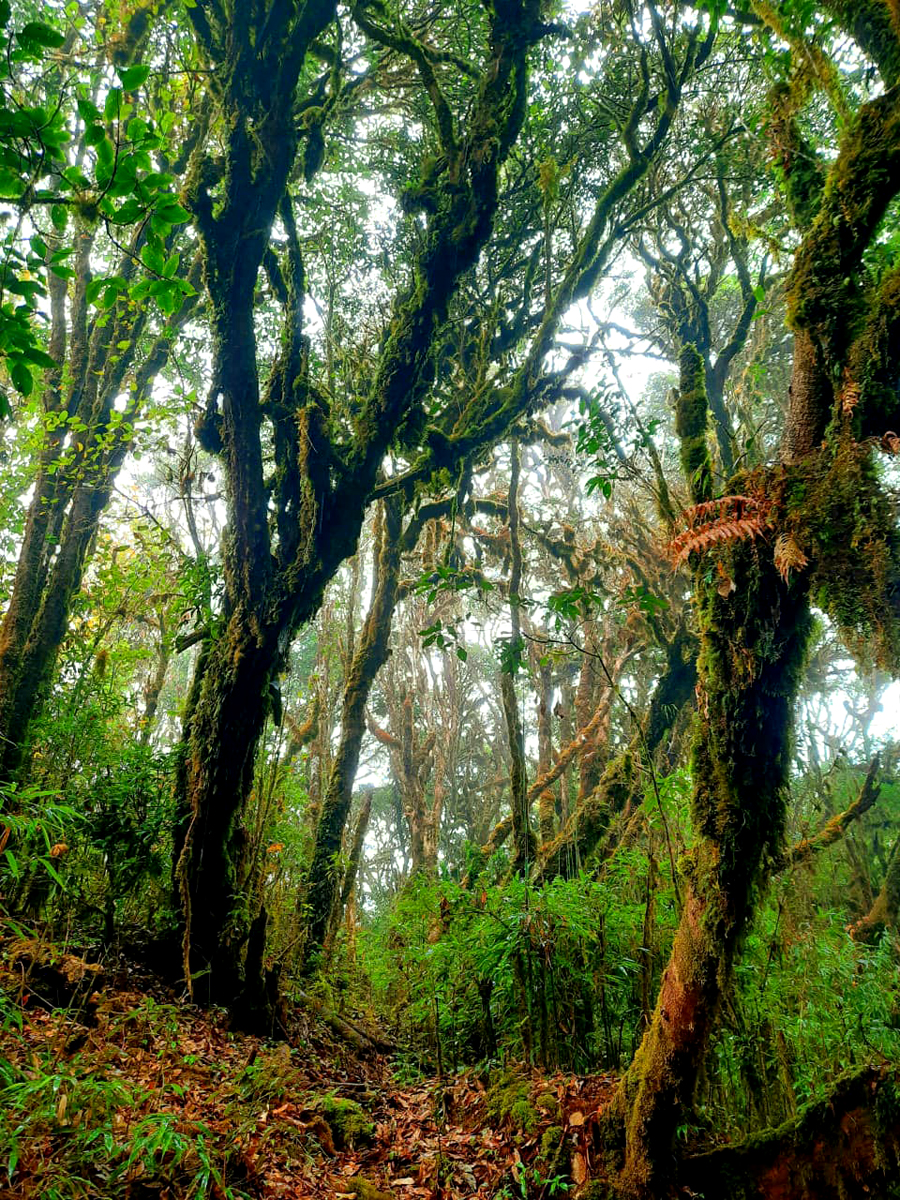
{"points": [[145, 1097]]}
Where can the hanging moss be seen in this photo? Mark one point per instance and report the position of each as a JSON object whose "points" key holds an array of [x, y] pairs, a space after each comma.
{"points": [[802, 173], [871, 390], [835, 506]]}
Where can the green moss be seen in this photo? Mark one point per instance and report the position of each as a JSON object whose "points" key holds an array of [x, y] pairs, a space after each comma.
{"points": [[350, 1126], [848, 529], [547, 1103], [691, 424], [364, 1189], [509, 1102], [550, 1140], [524, 1116], [801, 169], [823, 295]]}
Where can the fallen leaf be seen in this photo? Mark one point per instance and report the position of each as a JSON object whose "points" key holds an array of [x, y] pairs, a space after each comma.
{"points": [[576, 1118], [579, 1169]]}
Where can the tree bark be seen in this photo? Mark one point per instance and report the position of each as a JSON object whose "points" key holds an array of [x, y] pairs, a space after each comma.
{"points": [[885, 911]]}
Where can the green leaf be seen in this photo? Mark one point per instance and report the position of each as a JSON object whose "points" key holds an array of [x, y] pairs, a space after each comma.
{"points": [[173, 212], [133, 77], [111, 107], [87, 110], [39, 357], [21, 377], [41, 34]]}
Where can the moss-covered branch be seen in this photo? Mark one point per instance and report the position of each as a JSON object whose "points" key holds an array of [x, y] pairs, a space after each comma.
{"points": [[843, 1145], [807, 848]]}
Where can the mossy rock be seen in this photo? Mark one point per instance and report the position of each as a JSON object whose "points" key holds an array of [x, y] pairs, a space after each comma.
{"points": [[509, 1102], [550, 1140], [547, 1103], [363, 1189], [349, 1123]]}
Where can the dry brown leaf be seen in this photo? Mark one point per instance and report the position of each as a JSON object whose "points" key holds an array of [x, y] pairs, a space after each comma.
{"points": [[576, 1118], [579, 1168]]}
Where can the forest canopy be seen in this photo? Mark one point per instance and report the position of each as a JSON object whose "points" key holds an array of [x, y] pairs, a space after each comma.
{"points": [[450, 580]]}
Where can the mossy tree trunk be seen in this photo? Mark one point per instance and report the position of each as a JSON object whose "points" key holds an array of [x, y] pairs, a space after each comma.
{"points": [[828, 502], [370, 655], [277, 566], [885, 911]]}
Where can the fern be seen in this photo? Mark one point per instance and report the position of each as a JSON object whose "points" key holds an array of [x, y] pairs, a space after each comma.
{"points": [[717, 522]]}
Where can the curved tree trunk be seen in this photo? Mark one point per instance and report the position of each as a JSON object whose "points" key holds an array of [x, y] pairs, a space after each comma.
{"points": [[753, 637], [885, 911]]}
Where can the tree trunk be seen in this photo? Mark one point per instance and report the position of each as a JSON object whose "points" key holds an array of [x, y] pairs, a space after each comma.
{"points": [[754, 634], [343, 902], [371, 653], [276, 570], [523, 840], [885, 911]]}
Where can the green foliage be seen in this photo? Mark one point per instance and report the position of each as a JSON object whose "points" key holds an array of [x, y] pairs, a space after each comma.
{"points": [[85, 1114], [562, 964], [35, 825]]}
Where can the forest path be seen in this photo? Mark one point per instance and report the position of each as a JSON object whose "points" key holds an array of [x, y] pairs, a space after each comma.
{"points": [[153, 1099]]}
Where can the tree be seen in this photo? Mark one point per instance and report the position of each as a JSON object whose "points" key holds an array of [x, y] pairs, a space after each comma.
{"points": [[288, 535], [110, 337], [825, 497]]}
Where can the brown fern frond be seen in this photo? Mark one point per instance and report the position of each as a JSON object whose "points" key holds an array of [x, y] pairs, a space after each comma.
{"points": [[788, 556], [850, 394], [716, 522]]}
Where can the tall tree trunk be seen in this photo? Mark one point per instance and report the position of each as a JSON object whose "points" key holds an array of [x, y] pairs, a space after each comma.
{"points": [[370, 655], [343, 901], [523, 839]]}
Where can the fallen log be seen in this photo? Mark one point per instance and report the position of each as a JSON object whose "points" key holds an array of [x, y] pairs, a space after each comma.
{"points": [[846, 1145], [364, 1040]]}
